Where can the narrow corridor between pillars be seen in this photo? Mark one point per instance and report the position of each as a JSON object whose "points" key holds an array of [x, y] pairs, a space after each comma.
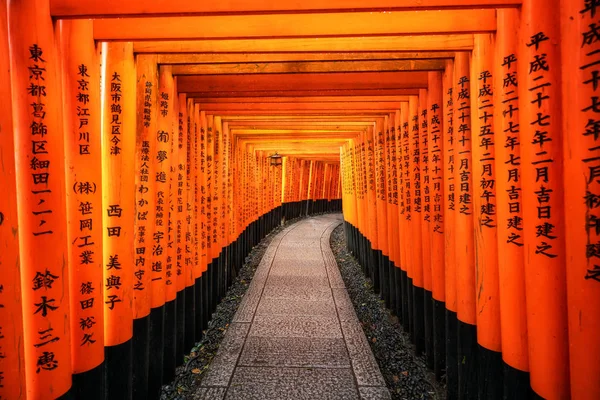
{"points": [[296, 335]]}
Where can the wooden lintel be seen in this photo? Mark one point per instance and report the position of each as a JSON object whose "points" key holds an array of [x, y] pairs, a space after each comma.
{"points": [[321, 81], [308, 67], [305, 99], [284, 94], [217, 107], [95, 8], [296, 25], [450, 42], [221, 58]]}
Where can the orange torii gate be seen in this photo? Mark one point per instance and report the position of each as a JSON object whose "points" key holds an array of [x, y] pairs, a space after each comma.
{"points": [[459, 138]]}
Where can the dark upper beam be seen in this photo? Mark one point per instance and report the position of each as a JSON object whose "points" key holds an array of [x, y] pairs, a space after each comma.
{"points": [[95, 8]]}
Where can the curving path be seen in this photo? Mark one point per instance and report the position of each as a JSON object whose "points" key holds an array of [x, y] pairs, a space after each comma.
{"points": [[296, 335]]}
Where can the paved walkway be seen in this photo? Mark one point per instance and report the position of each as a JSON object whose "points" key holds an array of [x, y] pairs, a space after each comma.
{"points": [[296, 335]]}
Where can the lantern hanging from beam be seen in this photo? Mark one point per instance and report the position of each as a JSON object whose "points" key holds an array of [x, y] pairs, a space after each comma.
{"points": [[275, 160]]}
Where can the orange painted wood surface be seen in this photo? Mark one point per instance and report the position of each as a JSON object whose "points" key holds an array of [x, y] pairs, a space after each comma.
{"points": [[83, 157], [40, 172], [12, 376]]}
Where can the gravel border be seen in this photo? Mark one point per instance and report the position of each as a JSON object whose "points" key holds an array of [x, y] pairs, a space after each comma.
{"points": [[188, 377], [406, 375]]}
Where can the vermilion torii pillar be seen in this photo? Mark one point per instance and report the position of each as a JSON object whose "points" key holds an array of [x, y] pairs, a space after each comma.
{"points": [[83, 156], [12, 376], [41, 191], [581, 151], [511, 258], [540, 120], [118, 201], [485, 218]]}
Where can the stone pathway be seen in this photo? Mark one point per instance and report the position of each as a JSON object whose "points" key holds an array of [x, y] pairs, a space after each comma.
{"points": [[296, 335]]}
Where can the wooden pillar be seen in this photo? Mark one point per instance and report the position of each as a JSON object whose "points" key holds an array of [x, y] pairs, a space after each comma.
{"points": [[543, 202], [426, 224], [484, 203], [465, 257], [449, 227], [436, 177], [406, 212], [168, 112], [381, 207], [118, 180], [581, 150], [400, 220], [81, 118], [12, 357], [185, 219], [371, 204], [393, 215], [147, 89], [178, 210], [513, 316], [39, 150], [416, 175], [196, 239]]}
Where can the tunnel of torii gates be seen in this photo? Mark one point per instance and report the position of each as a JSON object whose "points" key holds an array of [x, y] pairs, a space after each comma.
{"points": [[459, 137]]}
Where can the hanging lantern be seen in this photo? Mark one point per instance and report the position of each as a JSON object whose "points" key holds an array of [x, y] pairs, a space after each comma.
{"points": [[275, 160]]}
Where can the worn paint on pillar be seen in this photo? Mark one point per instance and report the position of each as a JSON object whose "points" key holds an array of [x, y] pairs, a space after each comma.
{"points": [[118, 198], [12, 357], [513, 316], [543, 202], [581, 150], [40, 169], [81, 78], [147, 89]]}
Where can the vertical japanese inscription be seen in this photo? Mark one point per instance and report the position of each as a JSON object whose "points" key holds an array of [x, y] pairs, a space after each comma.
{"points": [[590, 39], [541, 123]]}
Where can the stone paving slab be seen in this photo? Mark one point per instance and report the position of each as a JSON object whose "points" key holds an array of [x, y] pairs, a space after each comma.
{"points": [[310, 326], [226, 359], [292, 383], [295, 352], [299, 292], [374, 393], [206, 393], [364, 365], [296, 335], [274, 306]]}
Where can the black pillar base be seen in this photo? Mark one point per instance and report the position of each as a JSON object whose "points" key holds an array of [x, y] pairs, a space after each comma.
{"points": [[189, 338], [517, 384], [419, 319], [157, 331], [439, 338], [141, 356], [428, 317], [118, 374], [88, 384], [467, 361], [170, 342]]}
